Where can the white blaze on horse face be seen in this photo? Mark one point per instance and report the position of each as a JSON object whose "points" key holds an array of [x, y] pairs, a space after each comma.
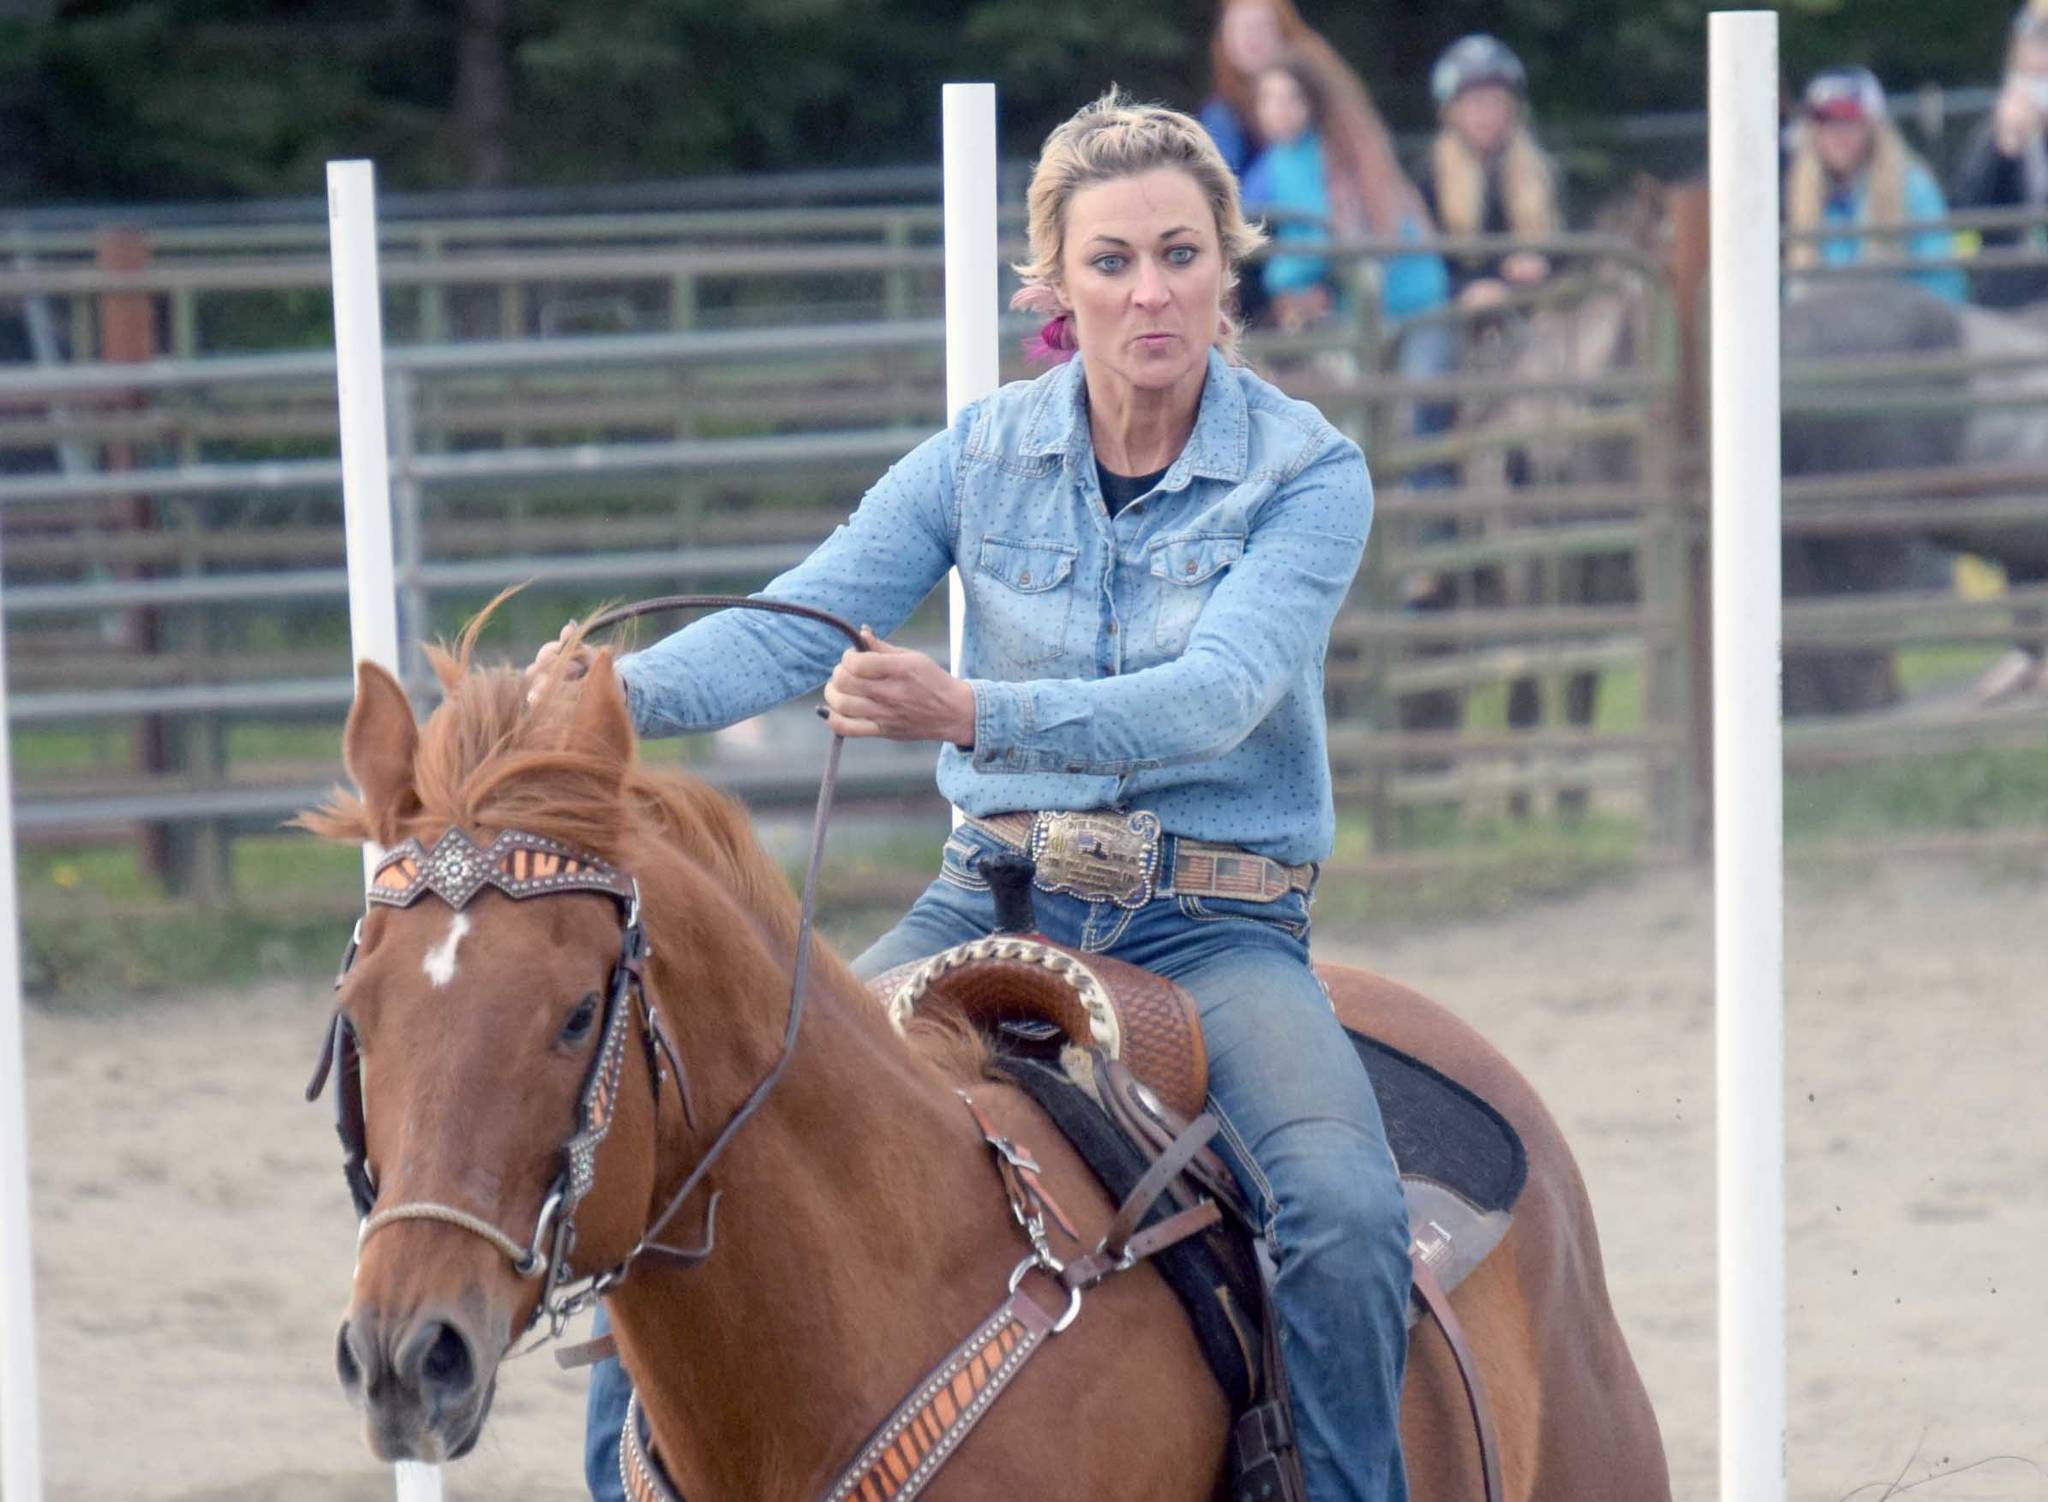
{"points": [[439, 963]]}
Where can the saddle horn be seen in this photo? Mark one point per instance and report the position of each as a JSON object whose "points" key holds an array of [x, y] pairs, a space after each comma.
{"points": [[1009, 882]]}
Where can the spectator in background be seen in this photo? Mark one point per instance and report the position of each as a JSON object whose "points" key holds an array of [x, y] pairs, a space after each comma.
{"points": [[1852, 168], [1319, 165], [2006, 164], [1250, 37], [1487, 175], [1287, 180], [1370, 196]]}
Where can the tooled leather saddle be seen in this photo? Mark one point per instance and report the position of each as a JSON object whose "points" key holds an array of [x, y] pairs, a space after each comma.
{"points": [[1114, 1055]]}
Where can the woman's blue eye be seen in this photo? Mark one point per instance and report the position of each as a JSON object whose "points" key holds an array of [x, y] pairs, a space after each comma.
{"points": [[1109, 265], [1181, 255]]}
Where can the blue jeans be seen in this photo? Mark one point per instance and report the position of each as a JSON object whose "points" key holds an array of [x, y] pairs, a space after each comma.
{"points": [[1300, 1127]]}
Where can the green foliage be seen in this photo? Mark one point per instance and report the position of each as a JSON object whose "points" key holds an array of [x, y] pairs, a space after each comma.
{"points": [[1962, 790], [161, 99]]}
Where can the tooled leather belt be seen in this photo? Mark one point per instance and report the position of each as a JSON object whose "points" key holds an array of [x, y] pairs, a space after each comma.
{"points": [[1112, 856]]}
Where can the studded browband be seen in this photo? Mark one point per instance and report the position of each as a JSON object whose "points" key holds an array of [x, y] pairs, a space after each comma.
{"points": [[518, 864]]}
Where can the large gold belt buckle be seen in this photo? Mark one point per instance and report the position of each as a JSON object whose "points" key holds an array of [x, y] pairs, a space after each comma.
{"points": [[1099, 857]]}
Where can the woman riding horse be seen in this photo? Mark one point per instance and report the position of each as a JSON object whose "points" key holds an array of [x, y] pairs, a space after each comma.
{"points": [[1154, 543]]}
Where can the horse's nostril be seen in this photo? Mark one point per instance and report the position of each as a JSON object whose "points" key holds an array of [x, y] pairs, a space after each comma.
{"points": [[446, 1365], [346, 1365]]}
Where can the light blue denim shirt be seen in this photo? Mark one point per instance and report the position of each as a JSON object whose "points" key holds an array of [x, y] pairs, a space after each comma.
{"points": [[1168, 658]]}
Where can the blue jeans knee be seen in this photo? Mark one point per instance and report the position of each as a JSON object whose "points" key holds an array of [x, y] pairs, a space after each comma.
{"points": [[1340, 1219]]}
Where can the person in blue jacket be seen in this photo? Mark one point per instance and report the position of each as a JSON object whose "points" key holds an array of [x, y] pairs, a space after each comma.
{"points": [[1370, 196], [1291, 180], [1850, 170]]}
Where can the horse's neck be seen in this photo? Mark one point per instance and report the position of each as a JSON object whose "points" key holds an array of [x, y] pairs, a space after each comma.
{"points": [[859, 1219]]}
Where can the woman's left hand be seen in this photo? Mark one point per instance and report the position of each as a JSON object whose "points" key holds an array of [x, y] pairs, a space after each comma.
{"points": [[899, 694]]}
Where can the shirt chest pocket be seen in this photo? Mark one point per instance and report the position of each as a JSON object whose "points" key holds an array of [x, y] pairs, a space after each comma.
{"points": [[1024, 595], [1183, 573]]}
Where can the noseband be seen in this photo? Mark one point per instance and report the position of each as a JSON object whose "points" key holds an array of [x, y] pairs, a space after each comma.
{"points": [[521, 865]]}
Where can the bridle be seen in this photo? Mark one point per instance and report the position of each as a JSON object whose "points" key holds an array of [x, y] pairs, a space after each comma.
{"points": [[522, 866]]}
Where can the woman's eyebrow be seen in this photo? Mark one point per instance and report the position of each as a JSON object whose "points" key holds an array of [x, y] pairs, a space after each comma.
{"points": [[1109, 240]]}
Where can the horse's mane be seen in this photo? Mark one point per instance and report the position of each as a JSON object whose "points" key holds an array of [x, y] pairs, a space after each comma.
{"points": [[488, 759]]}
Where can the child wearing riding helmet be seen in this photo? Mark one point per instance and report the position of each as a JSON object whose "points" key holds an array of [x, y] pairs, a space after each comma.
{"points": [[1487, 175], [1851, 169]]}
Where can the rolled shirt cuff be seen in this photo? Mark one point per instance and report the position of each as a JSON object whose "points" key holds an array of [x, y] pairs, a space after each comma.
{"points": [[1002, 720]]}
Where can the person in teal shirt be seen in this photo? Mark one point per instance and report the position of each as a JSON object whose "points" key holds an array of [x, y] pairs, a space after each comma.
{"points": [[1851, 169], [1290, 179]]}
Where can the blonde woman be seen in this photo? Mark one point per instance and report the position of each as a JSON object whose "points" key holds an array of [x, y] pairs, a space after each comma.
{"points": [[1487, 175], [1852, 169], [1154, 543]]}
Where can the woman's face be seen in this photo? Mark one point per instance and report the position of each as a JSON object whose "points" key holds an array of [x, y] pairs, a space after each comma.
{"points": [[1251, 36], [1281, 107], [1844, 145], [1484, 116], [1144, 278]]}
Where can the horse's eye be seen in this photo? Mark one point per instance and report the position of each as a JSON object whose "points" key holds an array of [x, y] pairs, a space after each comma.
{"points": [[580, 1022]]}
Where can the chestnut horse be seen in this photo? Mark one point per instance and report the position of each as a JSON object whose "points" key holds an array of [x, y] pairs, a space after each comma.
{"points": [[861, 1232]]}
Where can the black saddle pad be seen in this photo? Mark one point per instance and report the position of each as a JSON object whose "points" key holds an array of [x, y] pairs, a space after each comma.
{"points": [[1441, 1131]]}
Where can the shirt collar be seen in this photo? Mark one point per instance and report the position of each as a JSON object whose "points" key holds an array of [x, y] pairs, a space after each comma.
{"points": [[1218, 449]]}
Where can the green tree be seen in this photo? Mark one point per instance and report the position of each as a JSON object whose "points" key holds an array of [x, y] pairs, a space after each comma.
{"points": [[161, 99]]}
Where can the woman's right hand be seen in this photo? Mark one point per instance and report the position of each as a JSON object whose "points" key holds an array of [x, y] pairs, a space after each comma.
{"points": [[2015, 120], [579, 662]]}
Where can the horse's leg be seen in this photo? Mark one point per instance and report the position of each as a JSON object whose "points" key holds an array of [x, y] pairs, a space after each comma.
{"points": [[1597, 1439], [1569, 1411], [1438, 1436]]}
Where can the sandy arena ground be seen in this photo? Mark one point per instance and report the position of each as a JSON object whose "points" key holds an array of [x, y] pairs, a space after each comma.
{"points": [[193, 1239]]}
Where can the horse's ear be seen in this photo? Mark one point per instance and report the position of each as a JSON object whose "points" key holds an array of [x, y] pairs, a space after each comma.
{"points": [[377, 748], [602, 723]]}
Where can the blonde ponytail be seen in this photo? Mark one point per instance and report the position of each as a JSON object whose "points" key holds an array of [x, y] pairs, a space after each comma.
{"points": [[1528, 186]]}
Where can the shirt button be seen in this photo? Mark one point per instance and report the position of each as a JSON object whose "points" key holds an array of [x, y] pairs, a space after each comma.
{"points": [[1190, 568], [1112, 628], [1025, 577]]}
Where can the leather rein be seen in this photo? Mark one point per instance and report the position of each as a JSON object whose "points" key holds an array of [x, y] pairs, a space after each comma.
{"points": [[523, 865]]}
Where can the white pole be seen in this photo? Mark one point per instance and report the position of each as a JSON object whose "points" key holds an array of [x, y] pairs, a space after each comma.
{"points": [[973, 348], [366, 486], [21, 1473], [1749, 895]]}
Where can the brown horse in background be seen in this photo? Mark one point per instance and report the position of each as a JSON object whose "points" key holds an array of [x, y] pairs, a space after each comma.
{"points": [[861, 1232]]}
